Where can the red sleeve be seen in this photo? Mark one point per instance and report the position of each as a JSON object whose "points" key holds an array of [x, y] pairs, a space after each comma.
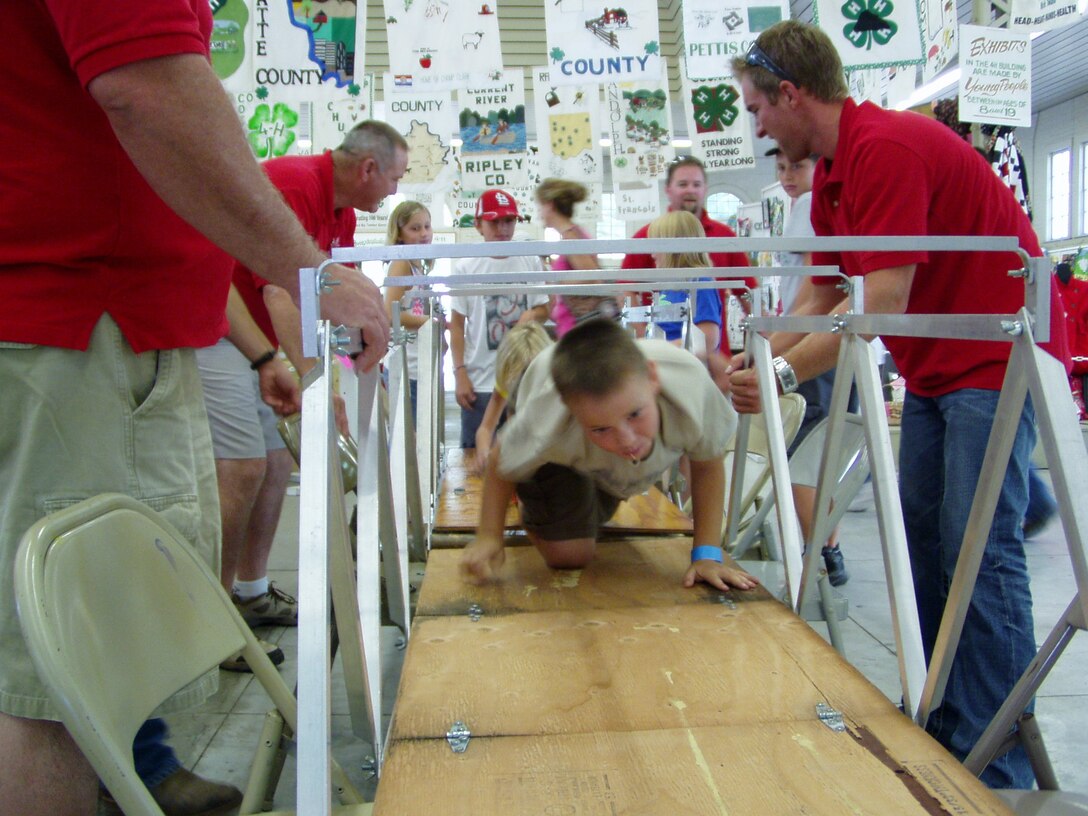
{"points": [[631, 261], [100, 36]]}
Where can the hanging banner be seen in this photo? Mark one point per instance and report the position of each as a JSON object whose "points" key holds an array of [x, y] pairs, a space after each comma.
{"points": [[901, 84], [568, 126], [872, 33], [995, 86], [441, 44], [637, 202], [592, 43], [427, 121], [715, 32], [290, 72], [939, 28], [640, 121], [720, 129], [866, 85], [491, 121], [1042, 15]]}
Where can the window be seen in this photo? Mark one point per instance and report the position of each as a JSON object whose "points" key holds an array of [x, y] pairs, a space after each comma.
{"points": [[723, 207], [1058, 195], [1084, 189]]}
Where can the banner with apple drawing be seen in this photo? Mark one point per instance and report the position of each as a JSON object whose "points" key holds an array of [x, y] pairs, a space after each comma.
{"points": [[442, 44]]}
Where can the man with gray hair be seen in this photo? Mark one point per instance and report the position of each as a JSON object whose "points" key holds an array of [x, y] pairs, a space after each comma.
{"points": [[251, 463], [891, 173]]}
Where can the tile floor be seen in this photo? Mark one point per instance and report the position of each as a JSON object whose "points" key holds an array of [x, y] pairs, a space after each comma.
{"points": [[218, 740]]}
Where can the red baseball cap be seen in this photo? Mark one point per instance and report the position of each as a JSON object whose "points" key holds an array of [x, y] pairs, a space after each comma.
{"points": [[495, 204]]}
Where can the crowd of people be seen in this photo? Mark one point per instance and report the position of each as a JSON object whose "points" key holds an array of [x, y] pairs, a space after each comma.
{"points": [[161, 289]]}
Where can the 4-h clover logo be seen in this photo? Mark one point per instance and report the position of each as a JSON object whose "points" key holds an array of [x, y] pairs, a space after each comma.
{"points": [[870, 24], [270, 131], [714, 108]]}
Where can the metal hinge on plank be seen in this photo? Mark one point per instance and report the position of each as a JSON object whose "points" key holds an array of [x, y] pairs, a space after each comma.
{"points": [[830, 717], [458, 737]]}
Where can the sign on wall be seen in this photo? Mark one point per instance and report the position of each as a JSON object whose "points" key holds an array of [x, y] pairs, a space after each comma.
{"points": [[427, 122], [715, 32], [872, 33], [441, 44], [491, 120], [1042, 15], [568, 127], [720, 128], [640, 121], [594, 42], [995, 86]]}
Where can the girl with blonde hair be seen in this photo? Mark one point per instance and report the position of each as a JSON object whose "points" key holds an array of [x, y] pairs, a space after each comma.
{"points": [[410, 223]]}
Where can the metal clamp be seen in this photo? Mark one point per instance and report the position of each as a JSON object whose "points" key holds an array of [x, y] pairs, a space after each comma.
{"points": [[458, 737], [830, 717]]}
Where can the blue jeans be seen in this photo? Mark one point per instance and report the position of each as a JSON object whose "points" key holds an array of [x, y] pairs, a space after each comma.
{"points": [[943, 442], [1041, 502], [154, 759], [472, 417]]}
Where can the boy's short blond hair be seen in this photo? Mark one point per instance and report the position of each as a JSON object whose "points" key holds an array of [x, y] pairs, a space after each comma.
{"points": [[594, 359], [518, 348], [679, 224]]}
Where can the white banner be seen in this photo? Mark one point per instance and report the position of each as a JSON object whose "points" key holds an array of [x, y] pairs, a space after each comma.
{"points": [[720, 128], [715, 32], [598, 43], [872, 33], [939, 29], [291, 73], [568, 127], [640, 120], [637, 202], [441, 44], [427, 121], [491, 121], [1042, 15], [995, 86]]}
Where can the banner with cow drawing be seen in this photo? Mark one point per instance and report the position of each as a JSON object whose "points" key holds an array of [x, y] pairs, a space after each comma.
{"points": [[716, 31], [568, 128], [289, 69], [442, 44], [641, 122], [491, 119], [593, 41]]}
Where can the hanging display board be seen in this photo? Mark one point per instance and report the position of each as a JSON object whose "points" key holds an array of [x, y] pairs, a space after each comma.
{"points": [[939, 30], [290, 71], [872, 33], [426, 121], [491, 121], [1042, 15], [442, 44], [720, 128], [714, 32], [640, 121], [589, 42], [568, 128], [995, 86]]}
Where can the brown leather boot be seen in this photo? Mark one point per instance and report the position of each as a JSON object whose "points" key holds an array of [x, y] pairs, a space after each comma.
{"points": [[183, 793]]}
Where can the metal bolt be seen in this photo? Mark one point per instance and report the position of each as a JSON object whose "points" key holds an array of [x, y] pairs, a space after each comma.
{"points": [[475, 612], [1018, 273], [1013, 327], [838, 324], [369, 767], [325, 282]]}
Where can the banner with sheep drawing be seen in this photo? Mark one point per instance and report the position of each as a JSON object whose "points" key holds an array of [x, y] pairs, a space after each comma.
{"points": [[442, 44]]}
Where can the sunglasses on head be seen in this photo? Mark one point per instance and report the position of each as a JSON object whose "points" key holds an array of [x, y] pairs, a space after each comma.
{"points": [[758, 57]]}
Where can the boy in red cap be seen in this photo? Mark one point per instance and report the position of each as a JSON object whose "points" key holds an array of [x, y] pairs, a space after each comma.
{"points": [[478, 323]]}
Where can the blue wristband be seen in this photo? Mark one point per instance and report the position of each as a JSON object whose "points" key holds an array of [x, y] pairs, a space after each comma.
{"points": [[706, 552]]}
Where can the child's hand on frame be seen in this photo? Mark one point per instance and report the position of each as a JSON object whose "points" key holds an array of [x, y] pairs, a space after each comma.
{"points": [[481, 560], [719, 576]]}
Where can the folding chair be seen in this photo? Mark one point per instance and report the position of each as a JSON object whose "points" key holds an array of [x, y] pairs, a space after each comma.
{"points": [[119, 616]]}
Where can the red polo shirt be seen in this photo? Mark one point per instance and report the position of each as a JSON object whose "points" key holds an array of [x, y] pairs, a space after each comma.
{"points": [[903, 174], [306, 184], [82, 232]]}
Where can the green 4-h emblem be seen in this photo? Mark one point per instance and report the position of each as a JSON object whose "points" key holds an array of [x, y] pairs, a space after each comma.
{"points": [[271, 131], [714, 108], [870, 22]]}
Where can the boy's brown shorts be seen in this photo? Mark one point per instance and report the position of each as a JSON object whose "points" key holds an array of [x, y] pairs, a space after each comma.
{"points": [[558, 504]]}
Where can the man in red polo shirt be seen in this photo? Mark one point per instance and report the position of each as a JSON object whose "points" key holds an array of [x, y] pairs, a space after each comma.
{"points": [[888, 173], [121, 157], [685, 189]]}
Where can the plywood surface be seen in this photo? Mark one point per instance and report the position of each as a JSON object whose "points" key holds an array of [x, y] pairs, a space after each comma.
{"points": [[622, 670], [461, 489], [749, 770], [625, 573]]}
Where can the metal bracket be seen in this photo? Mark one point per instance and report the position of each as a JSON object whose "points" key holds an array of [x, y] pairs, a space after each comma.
{"points": [[458, 737], [475, 612], [725, 600], [830, 717]]}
